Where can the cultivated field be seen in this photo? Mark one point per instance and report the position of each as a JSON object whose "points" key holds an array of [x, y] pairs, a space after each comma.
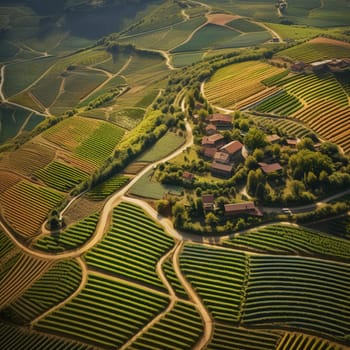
{"points": [[70, 238], [132, 246], [108, 322], [317, 50], [234, 83], [89, 140], [25, 206]]}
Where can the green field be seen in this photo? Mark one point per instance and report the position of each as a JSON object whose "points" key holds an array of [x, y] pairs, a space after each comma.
{"points": [[15, 120], [298, 293], [18, 76], [182, 322], [166, 145], [148, 187], [210, 36], [165, 39]]}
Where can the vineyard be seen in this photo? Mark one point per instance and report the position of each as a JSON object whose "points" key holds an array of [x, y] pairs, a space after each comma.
{"points": [[71, 238], [111, 312], [182, 322], [288, 127], [222, 292], [293, 292], [132, 246], [25, 206], [284, 239], [54, 286], [60, 176], [13, 338], [295, 341], [317, 50], [21, 273], [227, 337], [237, 82], [106, 188], [90, 140]]}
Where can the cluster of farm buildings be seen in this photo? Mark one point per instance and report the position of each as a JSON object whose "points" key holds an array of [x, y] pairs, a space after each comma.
{"points": [[333, 65]]}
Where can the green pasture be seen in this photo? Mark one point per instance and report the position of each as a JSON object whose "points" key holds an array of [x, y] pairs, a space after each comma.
{"points": [[163, 147], [163, 15], [18, 76], [245, 26], [77, 84], [186, 59], [167, 38], [147, 187], [210, 36]]}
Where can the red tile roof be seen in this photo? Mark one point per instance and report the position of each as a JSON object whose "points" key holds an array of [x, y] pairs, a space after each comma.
{"points": [[248, 207], [221, 167], [220, 118], [270, 168], [211, 140], [208, 151], [208, 198], [232, 147]]}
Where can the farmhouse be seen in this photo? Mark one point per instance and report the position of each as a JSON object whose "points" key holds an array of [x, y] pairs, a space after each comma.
{"points": [[215, 140], [221, 121], [242, 208], [273, 138], [208, 202], [270, 168], [233, 149], [221, 170]]}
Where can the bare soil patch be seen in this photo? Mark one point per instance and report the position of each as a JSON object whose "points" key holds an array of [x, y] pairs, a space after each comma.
{"points": [[221, 18], [82, 208]]}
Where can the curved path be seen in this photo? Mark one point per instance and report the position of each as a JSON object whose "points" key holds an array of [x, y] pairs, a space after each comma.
{"points": [[207, 320]]}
